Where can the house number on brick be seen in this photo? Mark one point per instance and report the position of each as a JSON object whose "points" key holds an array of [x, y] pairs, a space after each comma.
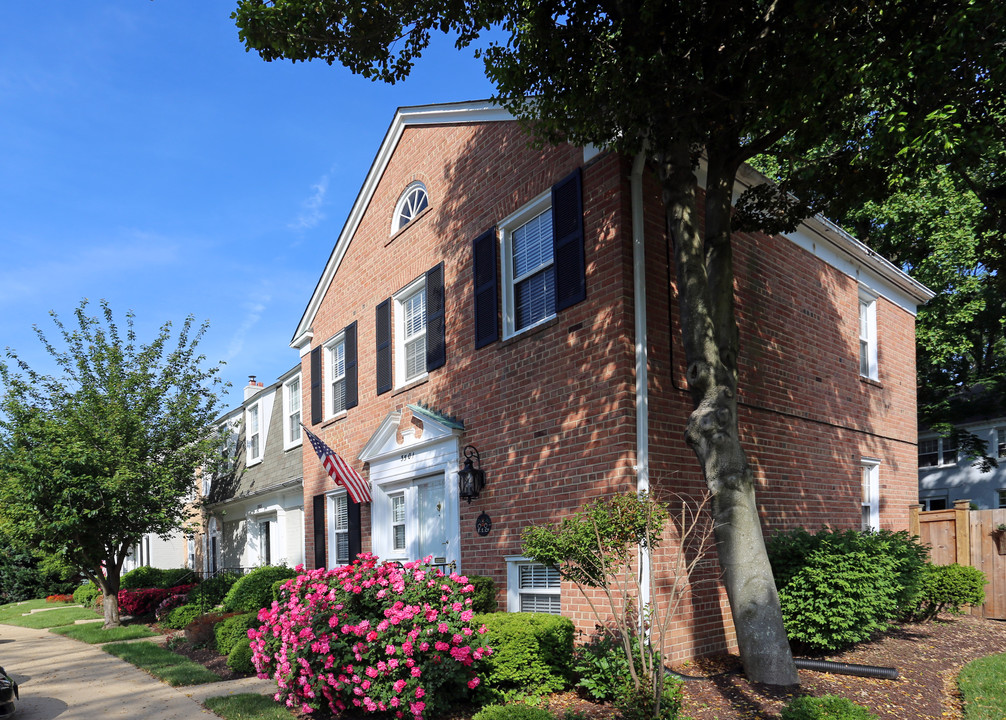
{"points": [[483, 524], [408, 456]]}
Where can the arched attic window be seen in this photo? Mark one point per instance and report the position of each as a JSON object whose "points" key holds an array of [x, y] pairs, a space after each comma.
{"points": [[412, 202]]}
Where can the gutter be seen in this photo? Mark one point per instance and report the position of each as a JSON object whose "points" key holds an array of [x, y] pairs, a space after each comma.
{"points": [[642, 379]]}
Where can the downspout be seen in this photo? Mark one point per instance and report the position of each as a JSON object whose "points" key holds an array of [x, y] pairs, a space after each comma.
{"points": [[642, 380]]}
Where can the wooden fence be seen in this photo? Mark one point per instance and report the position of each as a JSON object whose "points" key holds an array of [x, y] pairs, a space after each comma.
{"points": [[968, 537]]}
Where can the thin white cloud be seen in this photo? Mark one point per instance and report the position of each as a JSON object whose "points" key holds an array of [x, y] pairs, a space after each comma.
{"points": [[253, 310], [312, 209]]}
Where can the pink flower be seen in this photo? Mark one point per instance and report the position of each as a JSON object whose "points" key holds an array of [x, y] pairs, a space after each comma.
{"points": [[416, 672], [473, 683], [420, 692]]}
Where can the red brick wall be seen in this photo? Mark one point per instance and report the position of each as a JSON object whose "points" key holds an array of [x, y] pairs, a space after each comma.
{"points": [[552, 411]]}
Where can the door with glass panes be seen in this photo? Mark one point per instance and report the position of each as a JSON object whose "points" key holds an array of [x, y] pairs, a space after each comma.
{"points": [[418, 529]]}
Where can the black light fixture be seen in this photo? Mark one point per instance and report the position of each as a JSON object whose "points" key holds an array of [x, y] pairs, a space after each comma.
{"points": [[471, 477]]}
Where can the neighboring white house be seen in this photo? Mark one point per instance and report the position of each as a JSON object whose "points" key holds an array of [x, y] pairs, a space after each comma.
{"points": [[255, 512], [946, 476]]}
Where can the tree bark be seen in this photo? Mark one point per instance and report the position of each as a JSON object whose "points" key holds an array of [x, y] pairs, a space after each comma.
{"points": [[109, 582], [711, 343]]}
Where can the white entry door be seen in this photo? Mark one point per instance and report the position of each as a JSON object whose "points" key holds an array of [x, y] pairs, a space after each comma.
{"points": [[432, 529]]}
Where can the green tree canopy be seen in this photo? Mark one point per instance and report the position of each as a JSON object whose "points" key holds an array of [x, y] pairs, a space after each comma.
{"points": [[107, 452], [835, 92]]}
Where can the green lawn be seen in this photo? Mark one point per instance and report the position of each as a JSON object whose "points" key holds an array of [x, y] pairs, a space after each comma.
{"points": [[94, 633], [172, 668], [983, 685], [248, 707], [14, 614]]}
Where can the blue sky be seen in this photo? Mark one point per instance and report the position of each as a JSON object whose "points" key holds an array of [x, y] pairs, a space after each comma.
{"points": [[147, 159]]}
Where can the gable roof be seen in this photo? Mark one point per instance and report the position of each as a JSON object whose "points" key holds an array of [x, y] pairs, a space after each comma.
{"points": [[478, 111], [839, 248]]}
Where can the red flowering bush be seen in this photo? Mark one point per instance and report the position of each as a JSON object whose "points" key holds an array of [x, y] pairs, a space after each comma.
{"points": [[143, 602], [59, 599], [377, 637]]}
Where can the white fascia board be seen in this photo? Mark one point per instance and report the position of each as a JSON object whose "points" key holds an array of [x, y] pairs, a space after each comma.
{"points": [[478, 111], [830, 243]]}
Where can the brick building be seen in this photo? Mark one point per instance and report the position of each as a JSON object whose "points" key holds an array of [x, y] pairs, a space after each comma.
{"points": [[522, 301]]}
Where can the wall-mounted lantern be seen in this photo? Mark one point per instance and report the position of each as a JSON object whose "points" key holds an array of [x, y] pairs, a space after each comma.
{"points": [[471, 477]]}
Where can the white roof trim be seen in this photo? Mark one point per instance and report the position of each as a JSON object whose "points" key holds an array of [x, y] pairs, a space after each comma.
{"points": [[839, 249], [468, 112]]}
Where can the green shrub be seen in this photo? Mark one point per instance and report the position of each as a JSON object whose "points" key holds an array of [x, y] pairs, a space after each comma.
{"points": [[532, 654], [253, 591], [277, 591], [602, 668], [239, 659], [233, 631], [87, 594], [145, 577], [211, 592], [181, 616], [484, 595], [828, 707], [512, 712], [840, 588], [638, 704], [949, 587]]}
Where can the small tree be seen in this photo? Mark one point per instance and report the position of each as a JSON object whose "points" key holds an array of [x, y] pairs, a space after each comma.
{"points": [[602, 546], [92, 461]]}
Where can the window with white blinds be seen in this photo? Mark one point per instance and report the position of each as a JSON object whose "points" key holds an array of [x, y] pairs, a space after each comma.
{"points": [[336, 352], [414, 309], [532, 587], [398, 522], [533, 275], [341, 530]]}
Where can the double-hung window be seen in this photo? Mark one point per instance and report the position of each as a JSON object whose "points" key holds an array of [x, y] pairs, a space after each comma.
{"points": [[868, 335], [253, 434], [291, 412], [1001, 442], [528, 266], [335, 372], [937, 451], [398, 523], [871, 494], [341, 529], [410, 328]]}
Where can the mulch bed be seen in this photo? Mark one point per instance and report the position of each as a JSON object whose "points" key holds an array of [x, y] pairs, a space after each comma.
{"points": [[928, 658]]}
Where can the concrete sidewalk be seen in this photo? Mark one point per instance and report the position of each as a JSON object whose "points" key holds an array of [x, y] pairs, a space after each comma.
{"points": [[66, 679]]}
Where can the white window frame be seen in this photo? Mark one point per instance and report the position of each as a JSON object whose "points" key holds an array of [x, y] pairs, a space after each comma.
{"points": [[870, 493], [338, 526], [514, 590], [927, 501], [405, 208], [401, 298], [536, 207], [1001, 498], [999, 440], [253, 429], [293, 409], [941, 449], [331, 376], [868, 335]]}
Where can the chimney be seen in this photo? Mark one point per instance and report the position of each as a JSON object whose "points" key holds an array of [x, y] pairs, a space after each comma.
{"points": [[252, 387]]}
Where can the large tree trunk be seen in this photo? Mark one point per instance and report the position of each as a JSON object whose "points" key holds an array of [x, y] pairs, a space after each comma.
{"points": [[710, 338], [109, 582]]}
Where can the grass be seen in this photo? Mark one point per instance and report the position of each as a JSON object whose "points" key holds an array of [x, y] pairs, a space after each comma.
{"points": [[981, 682], [248, 707], [56, 614], [172, 668], [94, 634]]}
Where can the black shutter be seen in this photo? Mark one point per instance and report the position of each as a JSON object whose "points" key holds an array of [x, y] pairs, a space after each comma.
{"points": [[319, 530], [316, 409], [486, 310], [436, 331], [384, 378], [355, 528], [567, 239], [352, 396]]}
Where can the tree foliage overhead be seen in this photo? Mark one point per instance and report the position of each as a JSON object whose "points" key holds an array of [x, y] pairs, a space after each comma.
{"points": [[107, 452], [844, 97]]}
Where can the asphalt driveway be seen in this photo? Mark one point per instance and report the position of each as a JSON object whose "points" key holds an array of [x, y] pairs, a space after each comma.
{"points": [[66, 679]]}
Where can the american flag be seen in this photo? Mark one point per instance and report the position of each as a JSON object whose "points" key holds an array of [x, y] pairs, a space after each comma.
{"points": [[339, 470]]}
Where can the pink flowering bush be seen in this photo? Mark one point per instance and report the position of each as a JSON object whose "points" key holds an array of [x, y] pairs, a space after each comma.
{"points": [[376, 637], [144, 602]]}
